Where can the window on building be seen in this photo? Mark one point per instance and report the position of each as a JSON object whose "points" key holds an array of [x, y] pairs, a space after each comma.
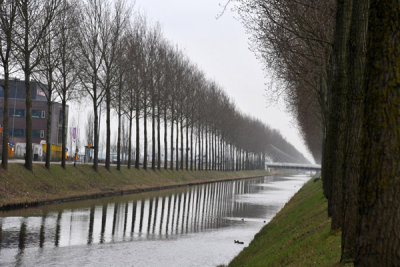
{"points": [[16, 132], [43, 114], [37, 114], [37, 134], [60, 117], [19, 113], [59, 139]]}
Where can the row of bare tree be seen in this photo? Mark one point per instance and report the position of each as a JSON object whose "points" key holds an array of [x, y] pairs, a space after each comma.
{"points": [[95, 50], [340, 61]]}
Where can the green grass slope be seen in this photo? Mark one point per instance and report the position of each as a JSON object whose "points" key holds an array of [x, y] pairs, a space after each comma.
{"points": [[18, 185], [299, 235]]}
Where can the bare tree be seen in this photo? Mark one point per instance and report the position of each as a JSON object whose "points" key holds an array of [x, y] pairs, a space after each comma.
{"points": [[45, 74], [121, 94], [33, 20], [7, 19], [91, 57], [132, 102], [66, 74], [112, 31]]}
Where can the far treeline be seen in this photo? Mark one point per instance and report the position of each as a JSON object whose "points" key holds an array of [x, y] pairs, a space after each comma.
{"points": [[340, 61], [96, 50]]}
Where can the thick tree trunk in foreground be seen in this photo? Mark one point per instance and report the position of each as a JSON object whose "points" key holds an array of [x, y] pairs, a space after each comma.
{"points": [[332, 170], [354, 111], [378, 242]]}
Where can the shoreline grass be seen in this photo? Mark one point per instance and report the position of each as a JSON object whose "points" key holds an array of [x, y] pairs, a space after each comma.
{"points": [[299, 235], [18, 186]]}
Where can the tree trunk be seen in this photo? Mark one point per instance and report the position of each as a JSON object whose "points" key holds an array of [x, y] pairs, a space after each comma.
{"points": [[217, 149], [200, 155], [158, 136], [153, 137], [64, 128], [206, 148], [6, 86], [212, 149], [223, 154], [137, 114], [145, 135], [165, 139], [232, 158], [378, 242], [96, 135], [187, 145], [191, 146], [332, 169], [351, 162], [108, 126], [177, 145], [48, 132], [119, 134], [182, 159], [195, 152], [28, 103], [130, 140], [172, 143]]}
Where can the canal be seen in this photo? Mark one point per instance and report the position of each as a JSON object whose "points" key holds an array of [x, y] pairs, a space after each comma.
{"points": [[192, 226]]}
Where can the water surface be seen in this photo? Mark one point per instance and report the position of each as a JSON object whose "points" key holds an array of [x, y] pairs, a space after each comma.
{"points": [[192, 226]]}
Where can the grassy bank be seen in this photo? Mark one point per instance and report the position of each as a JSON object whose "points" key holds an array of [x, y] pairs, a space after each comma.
{"points": [[19, 185], [299, 235]]}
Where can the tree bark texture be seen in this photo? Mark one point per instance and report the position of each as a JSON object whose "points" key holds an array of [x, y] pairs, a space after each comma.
{"points": [[332, 170], [354, 115], [378, 242]]}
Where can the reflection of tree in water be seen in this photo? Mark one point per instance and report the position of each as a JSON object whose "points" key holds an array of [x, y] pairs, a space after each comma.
{"points": [[195, 209], [21, 243], [91, 222], [103, 223], [58, 228]]}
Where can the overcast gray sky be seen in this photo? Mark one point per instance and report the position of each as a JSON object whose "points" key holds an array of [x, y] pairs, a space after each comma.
{"points": [[220, 47]]}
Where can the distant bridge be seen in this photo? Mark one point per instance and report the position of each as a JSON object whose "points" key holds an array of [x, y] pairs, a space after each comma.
{"points": [[293, 166]]}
